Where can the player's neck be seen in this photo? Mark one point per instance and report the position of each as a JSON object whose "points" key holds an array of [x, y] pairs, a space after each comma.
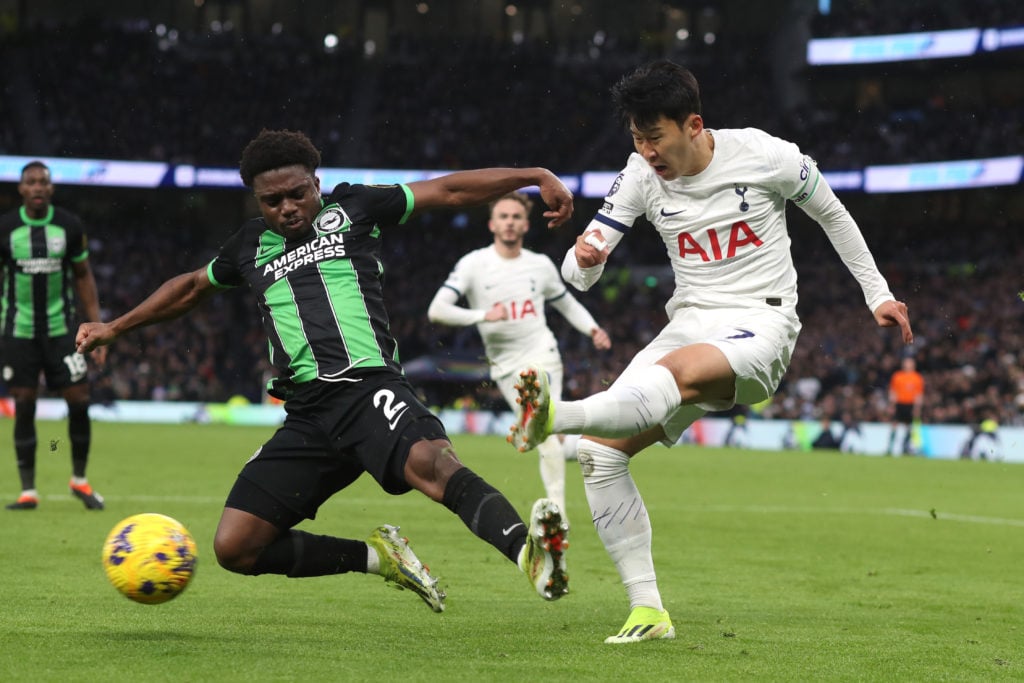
{"points": [[36, 214], [705, 152], [508, 251]]}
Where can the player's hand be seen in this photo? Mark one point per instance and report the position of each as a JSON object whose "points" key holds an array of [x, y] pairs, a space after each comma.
{"points": [[589, 249], [558, 198], [893, 313], [94, 335], [497, 312], [602, 342]]}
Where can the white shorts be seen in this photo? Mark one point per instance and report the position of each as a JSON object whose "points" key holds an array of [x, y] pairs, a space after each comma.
{"points": [[757, 342], [506, 383]]}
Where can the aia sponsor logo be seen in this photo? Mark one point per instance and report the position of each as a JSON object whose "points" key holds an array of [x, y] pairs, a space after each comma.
{"points": [[709, 246]]}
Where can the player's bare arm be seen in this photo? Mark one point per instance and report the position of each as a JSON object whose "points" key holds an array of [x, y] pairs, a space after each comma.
{"points": [[892, 314], [466, 188], [174, 298]]}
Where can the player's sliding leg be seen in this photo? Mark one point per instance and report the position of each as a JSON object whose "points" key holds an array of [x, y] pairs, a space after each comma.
{"points": [[247, 544], [620, 518], [397, 563], [537, 549], [543, 555]]}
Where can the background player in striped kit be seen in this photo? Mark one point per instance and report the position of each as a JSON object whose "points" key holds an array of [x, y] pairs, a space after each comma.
{"points": [[506, 287], [45, 259]]}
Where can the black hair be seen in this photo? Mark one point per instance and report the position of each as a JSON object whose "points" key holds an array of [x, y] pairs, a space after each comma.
{"points": [[276, 149], [34, 164], [654, 89]]}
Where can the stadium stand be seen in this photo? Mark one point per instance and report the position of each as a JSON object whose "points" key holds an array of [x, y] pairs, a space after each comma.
{"points": [[115, 90]]}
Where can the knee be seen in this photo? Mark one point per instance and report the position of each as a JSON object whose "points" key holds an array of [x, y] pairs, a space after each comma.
{"points": [[429, 467], [233, 552], [601, 463]]}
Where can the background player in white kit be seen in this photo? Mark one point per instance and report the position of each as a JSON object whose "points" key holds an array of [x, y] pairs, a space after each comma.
{"points": [[506, 287], [717, 198]]}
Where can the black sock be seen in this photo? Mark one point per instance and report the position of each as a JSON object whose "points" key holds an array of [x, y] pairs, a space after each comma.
{"points": [[297, 554], [80, 434], [25, 442], [486, 512]]}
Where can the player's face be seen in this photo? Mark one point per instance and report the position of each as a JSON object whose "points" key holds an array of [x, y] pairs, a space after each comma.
{"points": [[668, 147], [36, 190], [289, 199], [509, 221]]}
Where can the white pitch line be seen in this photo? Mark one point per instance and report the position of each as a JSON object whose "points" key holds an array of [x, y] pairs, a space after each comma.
{"points": [[889, 512], [952, 516], [758, 509]]}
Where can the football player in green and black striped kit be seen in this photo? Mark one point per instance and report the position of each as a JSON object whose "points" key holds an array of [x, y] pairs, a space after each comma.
{"points": [[314, 263], [45, 263]]}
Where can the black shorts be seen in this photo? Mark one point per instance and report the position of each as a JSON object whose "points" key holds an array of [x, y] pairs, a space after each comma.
{"points": [[55, 357], [333, 432], [903, 413]]}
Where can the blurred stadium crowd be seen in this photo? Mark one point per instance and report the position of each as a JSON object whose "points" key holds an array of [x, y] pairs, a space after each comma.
{"points": [[118, 91]]}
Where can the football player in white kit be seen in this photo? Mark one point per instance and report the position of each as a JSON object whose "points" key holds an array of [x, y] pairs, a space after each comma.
{"points": [[506, 287], [717, 198]]}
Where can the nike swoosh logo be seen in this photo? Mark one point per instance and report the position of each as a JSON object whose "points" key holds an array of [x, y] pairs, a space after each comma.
{"points": [[394, 423], [506, 532], [666, 214], [743, 334]]}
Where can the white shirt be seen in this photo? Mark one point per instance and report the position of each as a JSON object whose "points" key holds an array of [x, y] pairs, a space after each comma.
{"points": [[725, 228], [524, 284]]}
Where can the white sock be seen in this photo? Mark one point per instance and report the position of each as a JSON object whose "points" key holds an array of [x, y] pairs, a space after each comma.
{"points": [[372, 560], [552, 470], [623, 410], [79, 481], [30, 492], [569, 442], [620, 519]]}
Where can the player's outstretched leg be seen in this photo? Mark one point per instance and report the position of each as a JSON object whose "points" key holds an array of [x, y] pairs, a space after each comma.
{"points": [[543, 556], [400, 567], [534, 412], [644, 623]]}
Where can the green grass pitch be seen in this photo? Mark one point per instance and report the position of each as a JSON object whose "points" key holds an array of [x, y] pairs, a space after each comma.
{"points": [[778, 566]]}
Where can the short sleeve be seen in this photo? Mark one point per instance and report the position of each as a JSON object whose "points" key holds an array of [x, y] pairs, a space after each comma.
{"points": [[224, 270]]}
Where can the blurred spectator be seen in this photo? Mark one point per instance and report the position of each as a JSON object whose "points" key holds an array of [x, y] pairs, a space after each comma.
{"points": [[826, 440]]}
